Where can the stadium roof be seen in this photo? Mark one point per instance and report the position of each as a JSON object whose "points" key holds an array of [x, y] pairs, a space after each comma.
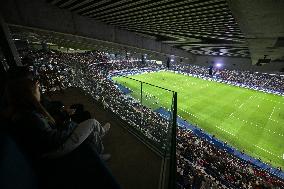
{"points": [[204, 27], [37, 36], [233, 28]]}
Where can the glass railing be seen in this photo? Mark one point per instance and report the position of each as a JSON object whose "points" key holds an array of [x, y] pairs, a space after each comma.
{"points": [[147, 109]]}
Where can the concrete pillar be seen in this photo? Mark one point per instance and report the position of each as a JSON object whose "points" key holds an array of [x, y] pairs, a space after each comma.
{"points": [[8, 46]]}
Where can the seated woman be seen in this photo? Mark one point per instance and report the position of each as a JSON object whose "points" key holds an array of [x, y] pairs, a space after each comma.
{"points": [[36, 130]]}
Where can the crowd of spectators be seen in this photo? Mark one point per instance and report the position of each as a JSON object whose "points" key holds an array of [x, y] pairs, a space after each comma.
{"points": [[209, 167], [199, 163], [75, 69], [272, 83]]}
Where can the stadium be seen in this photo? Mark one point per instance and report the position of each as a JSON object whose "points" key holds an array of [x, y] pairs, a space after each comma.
{"points": [[142, 94]]}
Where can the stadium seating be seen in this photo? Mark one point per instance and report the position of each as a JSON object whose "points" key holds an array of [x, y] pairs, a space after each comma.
{"points": [[200, 161]]}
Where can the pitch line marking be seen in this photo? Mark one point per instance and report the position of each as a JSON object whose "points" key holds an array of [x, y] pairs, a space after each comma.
{"points": [[253, 145], [241, 105], [269, 100], [258, 125], [261, 148], [225, 131], [215, 125], [189, 113], [267, 151], [258, 147], [274, 120], [272, 112]]}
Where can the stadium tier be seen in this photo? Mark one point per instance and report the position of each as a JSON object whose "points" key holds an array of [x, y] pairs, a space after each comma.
{"points": [[222, 118]]}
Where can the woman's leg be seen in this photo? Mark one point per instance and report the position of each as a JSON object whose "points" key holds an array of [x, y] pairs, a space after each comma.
{"points": [[101, 130], [95, 138], [95, 142], [78, 136], [89, 131]]}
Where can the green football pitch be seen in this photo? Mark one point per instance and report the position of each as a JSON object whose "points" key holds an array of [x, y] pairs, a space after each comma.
{"points": [[248, 120]]}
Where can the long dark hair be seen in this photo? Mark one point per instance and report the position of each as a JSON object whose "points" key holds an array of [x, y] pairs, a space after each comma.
{"points": [[20, 97]]}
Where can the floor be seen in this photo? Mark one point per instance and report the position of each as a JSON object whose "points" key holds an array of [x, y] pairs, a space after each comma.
{"points": [[133, 164]]}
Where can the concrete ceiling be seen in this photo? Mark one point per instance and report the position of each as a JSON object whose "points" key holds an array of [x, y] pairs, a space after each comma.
{"points": [[37, 36], [232, 28], [204, 27], [41, 21], [262, 23]]}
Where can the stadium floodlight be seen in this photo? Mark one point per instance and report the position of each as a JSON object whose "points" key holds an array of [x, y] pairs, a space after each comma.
{"points": [[218, 65]]}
